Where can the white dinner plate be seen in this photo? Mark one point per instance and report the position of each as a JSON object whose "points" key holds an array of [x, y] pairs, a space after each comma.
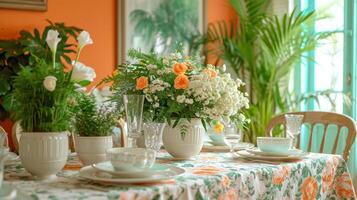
{"points": [[289, 152], [246, 154], [93, 174], [238, 147], [108, 167]]}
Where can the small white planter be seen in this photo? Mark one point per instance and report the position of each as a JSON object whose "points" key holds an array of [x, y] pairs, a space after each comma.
{"points": [[92, 150], [192, 143], [43, 154]]}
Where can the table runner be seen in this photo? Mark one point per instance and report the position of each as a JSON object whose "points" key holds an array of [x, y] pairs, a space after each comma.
{"points": [[208, 176]]}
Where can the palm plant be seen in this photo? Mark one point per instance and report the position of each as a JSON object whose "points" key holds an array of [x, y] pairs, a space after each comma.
{"points": [[171, 22], [263, 50]]}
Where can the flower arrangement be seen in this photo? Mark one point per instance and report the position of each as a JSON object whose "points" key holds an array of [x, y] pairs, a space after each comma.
{"points": [[94, 114], [42, 92], [179, 87]]}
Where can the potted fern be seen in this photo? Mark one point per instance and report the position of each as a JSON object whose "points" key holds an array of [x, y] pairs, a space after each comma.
{"points": [[94, 120], [40, 101]]}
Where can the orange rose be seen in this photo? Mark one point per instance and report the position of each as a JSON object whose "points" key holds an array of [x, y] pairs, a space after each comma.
{"points": [[142, 82], [207, 170], [211, 73], [309, 189], [280, 175], [181, 82], [126, 195], [229, 195], [225, 181], [344, 187], [328, 174], [179, 68]]}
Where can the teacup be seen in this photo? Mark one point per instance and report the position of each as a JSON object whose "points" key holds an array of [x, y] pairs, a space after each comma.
{"points": [[131, 159], [274, 144]]}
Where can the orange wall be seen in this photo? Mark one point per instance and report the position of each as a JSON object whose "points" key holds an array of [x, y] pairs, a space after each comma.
{"points": [[219, 10], [97, 17]]}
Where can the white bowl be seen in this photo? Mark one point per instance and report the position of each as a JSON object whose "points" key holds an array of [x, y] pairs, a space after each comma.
{"points": [[131, 159], [274, 144]]}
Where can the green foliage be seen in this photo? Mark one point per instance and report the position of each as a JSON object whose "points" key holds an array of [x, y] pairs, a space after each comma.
{"points": [[91, 119], [163, 104], [38, 109], [263, 50], [171, 22], [24, 51]]}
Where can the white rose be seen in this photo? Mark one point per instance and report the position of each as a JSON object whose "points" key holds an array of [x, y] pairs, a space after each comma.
{"points": [[84, 39], [80, 72], [52, 39], [50, 83]]}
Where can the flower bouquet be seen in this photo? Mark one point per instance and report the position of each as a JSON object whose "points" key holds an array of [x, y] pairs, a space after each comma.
{"points": [[180, 90], [42, 103]]}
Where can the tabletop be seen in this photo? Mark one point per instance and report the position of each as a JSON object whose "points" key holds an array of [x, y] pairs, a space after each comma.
{"points": [[208, 176]]}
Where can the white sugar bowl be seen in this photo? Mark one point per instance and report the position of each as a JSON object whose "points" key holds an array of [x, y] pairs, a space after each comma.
{"points": [[131, 159], [274, 144]]}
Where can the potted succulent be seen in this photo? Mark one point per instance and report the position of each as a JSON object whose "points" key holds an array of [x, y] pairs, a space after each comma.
{"points": [[182, 92], [94, 120], [40, 101]]}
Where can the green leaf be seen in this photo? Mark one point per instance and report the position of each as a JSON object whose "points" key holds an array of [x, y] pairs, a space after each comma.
{"points": [[84, 83]]}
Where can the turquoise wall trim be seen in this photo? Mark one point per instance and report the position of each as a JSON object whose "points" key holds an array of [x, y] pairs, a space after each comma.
{"points": [[351, 73]]}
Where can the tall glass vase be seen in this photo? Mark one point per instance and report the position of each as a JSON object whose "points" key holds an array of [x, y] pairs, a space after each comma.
{"points": [[133, 105]]}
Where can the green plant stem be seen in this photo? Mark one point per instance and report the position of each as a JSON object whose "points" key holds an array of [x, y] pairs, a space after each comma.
{"points": [[54, 59]]}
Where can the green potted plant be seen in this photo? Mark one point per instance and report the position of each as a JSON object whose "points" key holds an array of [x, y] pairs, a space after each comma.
{"points": [[263, 50], [40, 101], [94, 120], [23, 51], [182, 92]]}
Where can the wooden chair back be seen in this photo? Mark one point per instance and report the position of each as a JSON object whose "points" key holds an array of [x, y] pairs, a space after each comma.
{"points": [[325, 118]]}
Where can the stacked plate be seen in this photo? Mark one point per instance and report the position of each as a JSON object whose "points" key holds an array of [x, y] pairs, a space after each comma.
{"points": [[286, 156], [212, 147], [105, 172]]}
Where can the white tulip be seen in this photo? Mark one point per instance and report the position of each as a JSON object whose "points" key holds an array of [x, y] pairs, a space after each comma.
{"points": [[52, 39], [50, 83], [84, 39], [80, 72]]}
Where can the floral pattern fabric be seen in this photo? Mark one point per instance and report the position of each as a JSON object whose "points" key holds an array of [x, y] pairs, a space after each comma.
{"points": [[208, 176]]}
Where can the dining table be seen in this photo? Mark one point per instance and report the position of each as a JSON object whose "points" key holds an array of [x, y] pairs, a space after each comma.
{"points": [[210, 175]]}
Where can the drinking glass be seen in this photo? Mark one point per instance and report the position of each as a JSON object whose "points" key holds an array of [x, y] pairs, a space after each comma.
{"points": [[232, 136], [133, 105], [3, 154], [153, 135], [293, 126]]}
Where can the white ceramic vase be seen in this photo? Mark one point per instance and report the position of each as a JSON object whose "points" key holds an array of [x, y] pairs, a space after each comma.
{"points": [[184, 147], [92, 150], [43, 154]]}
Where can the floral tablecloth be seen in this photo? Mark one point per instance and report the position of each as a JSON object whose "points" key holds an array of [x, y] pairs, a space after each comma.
{"points": [[208, 176]]}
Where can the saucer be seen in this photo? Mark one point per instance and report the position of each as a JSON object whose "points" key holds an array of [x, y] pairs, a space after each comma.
{"points": [[289, 152], [213, 148], [289, 158], [108, 168], [93, 174]]}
